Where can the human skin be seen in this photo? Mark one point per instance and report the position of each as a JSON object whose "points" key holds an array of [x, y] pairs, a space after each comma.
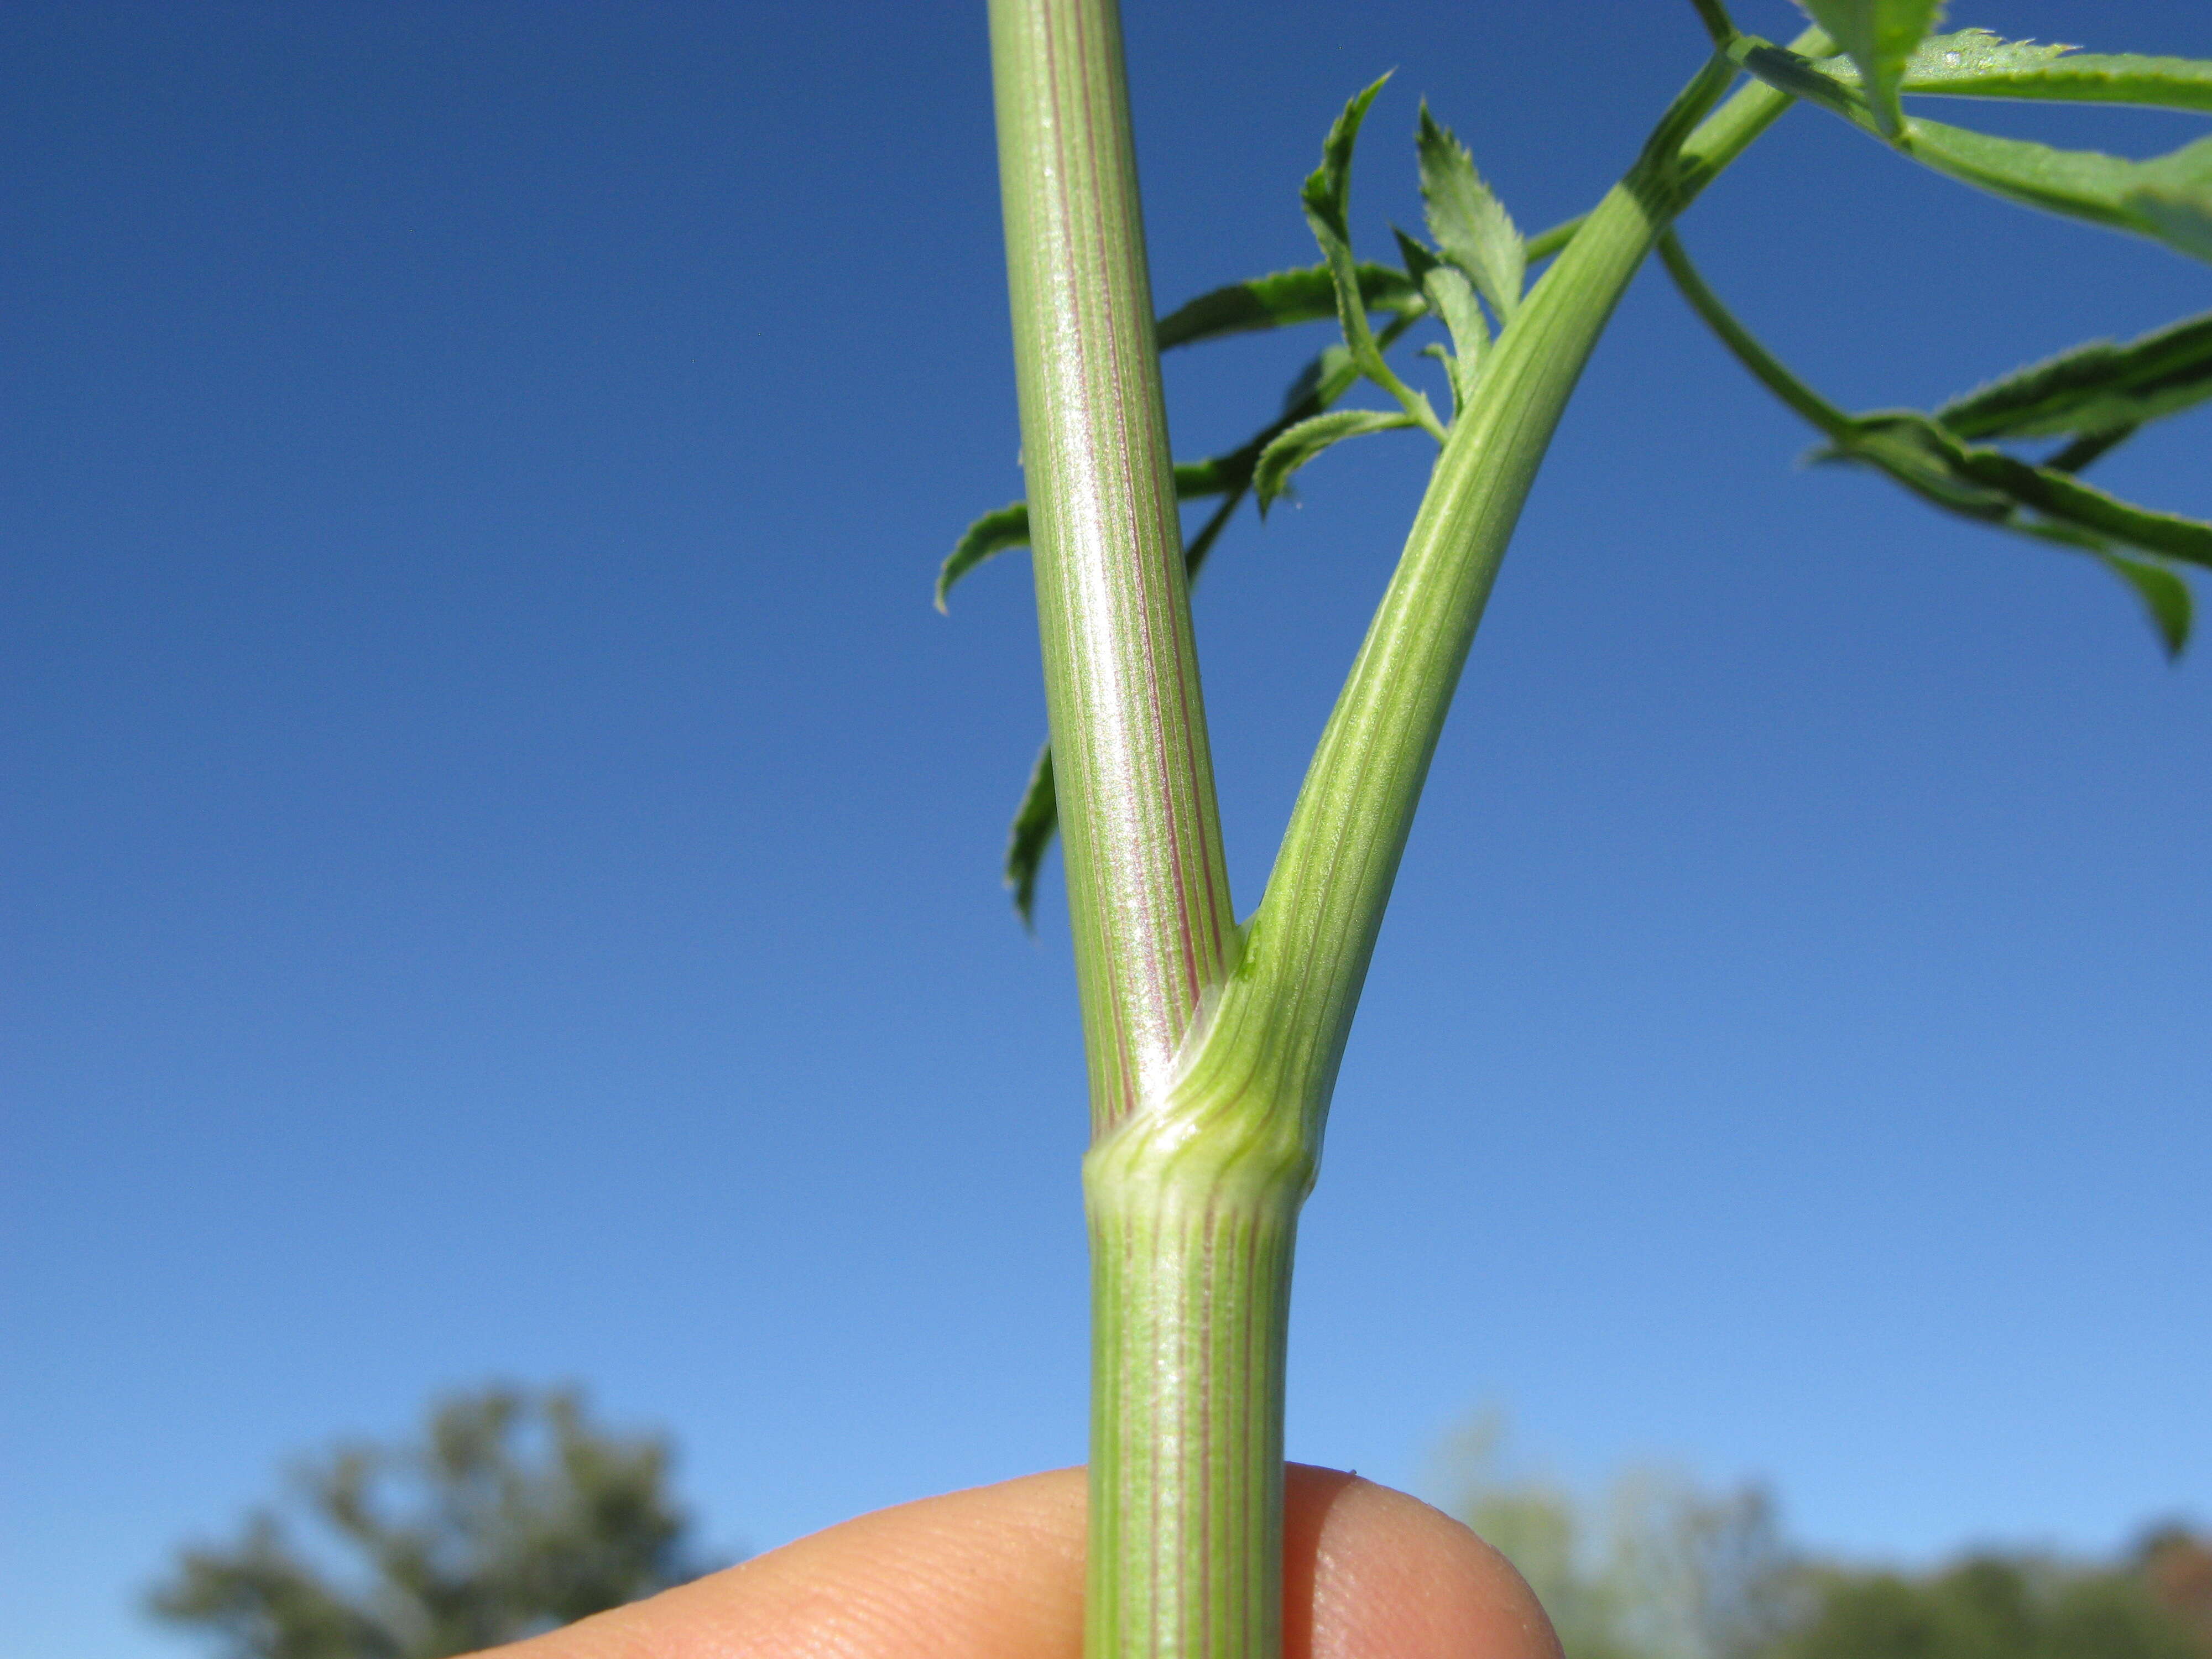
{"points": [[997, 1573]]}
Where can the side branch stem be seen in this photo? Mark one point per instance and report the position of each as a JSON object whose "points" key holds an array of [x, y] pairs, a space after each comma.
{"points": [[1768, 369], [1290, 1009]]}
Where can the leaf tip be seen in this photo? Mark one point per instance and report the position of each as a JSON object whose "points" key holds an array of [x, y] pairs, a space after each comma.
{"points": [[1036, 824]]}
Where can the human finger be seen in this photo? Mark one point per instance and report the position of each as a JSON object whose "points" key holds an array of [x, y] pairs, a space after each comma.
{"points": [[997, 1573]]}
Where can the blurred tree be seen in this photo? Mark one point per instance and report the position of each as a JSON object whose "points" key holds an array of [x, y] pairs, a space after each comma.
{"points": [[515, 1514], [1659, 1569], [2178, 1567], [1991, 1607]]}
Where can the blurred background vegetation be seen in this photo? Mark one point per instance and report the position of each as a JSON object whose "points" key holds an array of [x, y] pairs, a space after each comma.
{"points": [[1658, 1566], [511, 1514], [513, 1511]]}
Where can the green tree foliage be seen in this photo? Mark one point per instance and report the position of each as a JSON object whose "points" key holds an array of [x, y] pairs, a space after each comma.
{"points": [[515, 1514], [2178, 1567], [1991, 1607], [1659, 1568], [1656, 1568]]}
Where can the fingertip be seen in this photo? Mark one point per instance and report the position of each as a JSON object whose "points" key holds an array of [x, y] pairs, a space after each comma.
{"points": [[1372, 1573]]}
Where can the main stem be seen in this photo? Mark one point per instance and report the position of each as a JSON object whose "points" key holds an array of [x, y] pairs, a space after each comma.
{"points": [[1212, 1058], [1190, 1262], [1148, 887]]}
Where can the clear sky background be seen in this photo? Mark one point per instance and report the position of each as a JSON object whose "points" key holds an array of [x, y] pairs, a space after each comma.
{"points": [[499, 855]]}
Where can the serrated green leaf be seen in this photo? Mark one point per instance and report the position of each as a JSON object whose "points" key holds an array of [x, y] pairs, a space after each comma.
{"points": [[2165, 596], [1924, 459], [1418, 259], [2174, 198], [1293, 448], [2064, 499], [1450, 298], [1279, 299], [1036, 820], [1450, 364], [1327, 191], [994, 533], [1880, 36], [1327, 197], [1935, 462], [2095, 388], [1996, 489], [2082, 183], [1307, 294], [1999, 488], [1323, 379], [2168, 199], [1976, 64], [1467, 220]]}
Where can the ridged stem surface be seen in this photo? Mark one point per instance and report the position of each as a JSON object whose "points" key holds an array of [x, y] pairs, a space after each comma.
{"points": [[1148, 888], [1190, 1287], [1213, 1059]]}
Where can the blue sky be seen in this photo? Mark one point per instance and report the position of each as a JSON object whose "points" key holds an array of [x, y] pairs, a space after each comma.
{"points": [[500, 856]]}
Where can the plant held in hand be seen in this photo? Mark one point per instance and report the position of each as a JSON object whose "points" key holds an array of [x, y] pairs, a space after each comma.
{"points": [[1214, 1045]]}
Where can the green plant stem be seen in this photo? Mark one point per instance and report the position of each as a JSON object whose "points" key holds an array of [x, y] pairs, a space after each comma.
{"points": [[1190, 1311], [1194, 1199], [2088, 447], [1148, 887], [1211, 1069], [1272, 1051], [1768, 369], [1545, 243], [1189, 1281], [1718, 23]]}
